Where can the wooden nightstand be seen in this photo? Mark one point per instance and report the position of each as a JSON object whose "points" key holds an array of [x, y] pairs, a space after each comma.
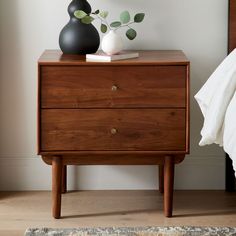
{"points": [[130, 112]]}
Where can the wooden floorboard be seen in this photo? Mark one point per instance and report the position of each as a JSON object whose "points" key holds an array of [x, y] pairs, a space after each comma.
{"points": [[20, 210]]}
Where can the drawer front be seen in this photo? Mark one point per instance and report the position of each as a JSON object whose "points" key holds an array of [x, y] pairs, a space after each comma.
{"points": [[113, 129], [113, 86]]}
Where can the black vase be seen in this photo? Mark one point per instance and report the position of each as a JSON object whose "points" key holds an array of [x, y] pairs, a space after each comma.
{"points": [[77, 37]]}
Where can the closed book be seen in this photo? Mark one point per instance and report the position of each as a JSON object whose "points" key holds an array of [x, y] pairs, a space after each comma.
{"points": [[101, 56]]}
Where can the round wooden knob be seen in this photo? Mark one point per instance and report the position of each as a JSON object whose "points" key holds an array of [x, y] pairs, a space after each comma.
{"points": [[114, 88], [113, 131]]}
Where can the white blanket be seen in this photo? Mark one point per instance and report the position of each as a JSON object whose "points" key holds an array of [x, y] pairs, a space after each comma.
{"points": [[217, 100]]}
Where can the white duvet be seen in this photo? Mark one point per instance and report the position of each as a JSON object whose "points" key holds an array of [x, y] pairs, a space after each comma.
{"points": [[217, 100]]}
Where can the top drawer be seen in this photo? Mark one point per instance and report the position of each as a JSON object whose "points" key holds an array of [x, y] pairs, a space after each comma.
{"points": [[112, 86]]}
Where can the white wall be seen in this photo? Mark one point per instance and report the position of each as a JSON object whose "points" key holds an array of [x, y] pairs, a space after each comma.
{"points": [[199, 27]]}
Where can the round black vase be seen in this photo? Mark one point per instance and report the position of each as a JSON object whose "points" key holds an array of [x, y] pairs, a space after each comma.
{"points": [[77, 37]]}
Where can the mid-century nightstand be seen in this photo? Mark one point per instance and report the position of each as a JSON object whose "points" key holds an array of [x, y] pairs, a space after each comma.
{"points": [[129, 112]]}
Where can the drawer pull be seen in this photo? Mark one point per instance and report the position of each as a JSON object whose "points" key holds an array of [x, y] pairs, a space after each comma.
{"points": [[113, 131], [114, 88]]}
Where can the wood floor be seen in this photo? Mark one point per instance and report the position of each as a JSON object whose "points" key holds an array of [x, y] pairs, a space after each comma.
{"points": [[20, 210]]}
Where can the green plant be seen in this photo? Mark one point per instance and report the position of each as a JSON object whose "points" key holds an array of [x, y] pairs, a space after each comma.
{"points": [[125, 21]]}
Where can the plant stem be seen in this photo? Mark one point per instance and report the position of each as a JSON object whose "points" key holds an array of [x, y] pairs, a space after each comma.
{"points": [[103, 21], [125, 25]]}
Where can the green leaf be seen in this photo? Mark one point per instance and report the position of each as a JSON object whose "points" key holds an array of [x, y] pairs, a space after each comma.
{"points": [[80, 14], [131, 34], [104, 14], [96, 12], [87, 20], [103, 28], [139, 17], [115, 24], [125, 17]]}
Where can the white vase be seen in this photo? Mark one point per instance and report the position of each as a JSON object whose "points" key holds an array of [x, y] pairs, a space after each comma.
{"points": [[112, 43]]}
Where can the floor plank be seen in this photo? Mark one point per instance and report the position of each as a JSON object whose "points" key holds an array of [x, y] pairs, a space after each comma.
{"points": [[20, 210]]}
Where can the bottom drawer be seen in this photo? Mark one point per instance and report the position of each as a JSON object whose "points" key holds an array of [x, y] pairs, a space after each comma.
{"points": [[112, 129]]}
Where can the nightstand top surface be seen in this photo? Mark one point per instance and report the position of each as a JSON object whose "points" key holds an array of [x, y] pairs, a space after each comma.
{"points": [[154, 57]]}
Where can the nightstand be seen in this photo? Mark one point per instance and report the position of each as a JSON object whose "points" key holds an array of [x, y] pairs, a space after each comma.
{"points": [[129, 112]]}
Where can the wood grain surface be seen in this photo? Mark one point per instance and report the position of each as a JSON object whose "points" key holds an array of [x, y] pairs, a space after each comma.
{"points": [[152, 57], [113, 158], [232, 25], [116, 87], [113, 129], [56, 186], [169, 168]]}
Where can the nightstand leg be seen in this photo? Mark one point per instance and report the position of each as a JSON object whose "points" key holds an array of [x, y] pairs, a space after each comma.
{"points": [[56, 186], [161, 178], [168, 185], [64, 179]]}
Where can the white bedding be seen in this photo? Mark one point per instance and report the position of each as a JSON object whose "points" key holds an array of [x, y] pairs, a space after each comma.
{"points": [[217, 100]]}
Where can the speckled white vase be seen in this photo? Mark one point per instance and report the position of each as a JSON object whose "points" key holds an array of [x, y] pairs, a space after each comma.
{"points": [[112, 43]]}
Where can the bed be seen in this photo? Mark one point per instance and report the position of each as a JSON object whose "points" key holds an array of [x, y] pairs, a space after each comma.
{"points": [[230, 184]]}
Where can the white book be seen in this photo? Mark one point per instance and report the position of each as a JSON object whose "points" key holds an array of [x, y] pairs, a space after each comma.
{"points": [[101, 56]]}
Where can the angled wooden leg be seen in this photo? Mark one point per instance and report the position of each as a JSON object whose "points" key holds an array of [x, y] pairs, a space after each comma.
{"points": [[64, 179], [168, 185], [56, 186], [161, 178]]}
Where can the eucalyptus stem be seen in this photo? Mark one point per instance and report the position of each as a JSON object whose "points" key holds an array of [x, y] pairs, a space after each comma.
{"points": [[125, 25], [104, 21]]}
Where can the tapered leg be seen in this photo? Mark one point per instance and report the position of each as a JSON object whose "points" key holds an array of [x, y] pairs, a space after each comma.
{"points": [[161, 178], [56, 186], [64, 179], [168, 185]]}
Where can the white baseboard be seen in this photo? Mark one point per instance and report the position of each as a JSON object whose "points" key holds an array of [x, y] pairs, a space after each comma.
{"points": [[31, 173]]}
